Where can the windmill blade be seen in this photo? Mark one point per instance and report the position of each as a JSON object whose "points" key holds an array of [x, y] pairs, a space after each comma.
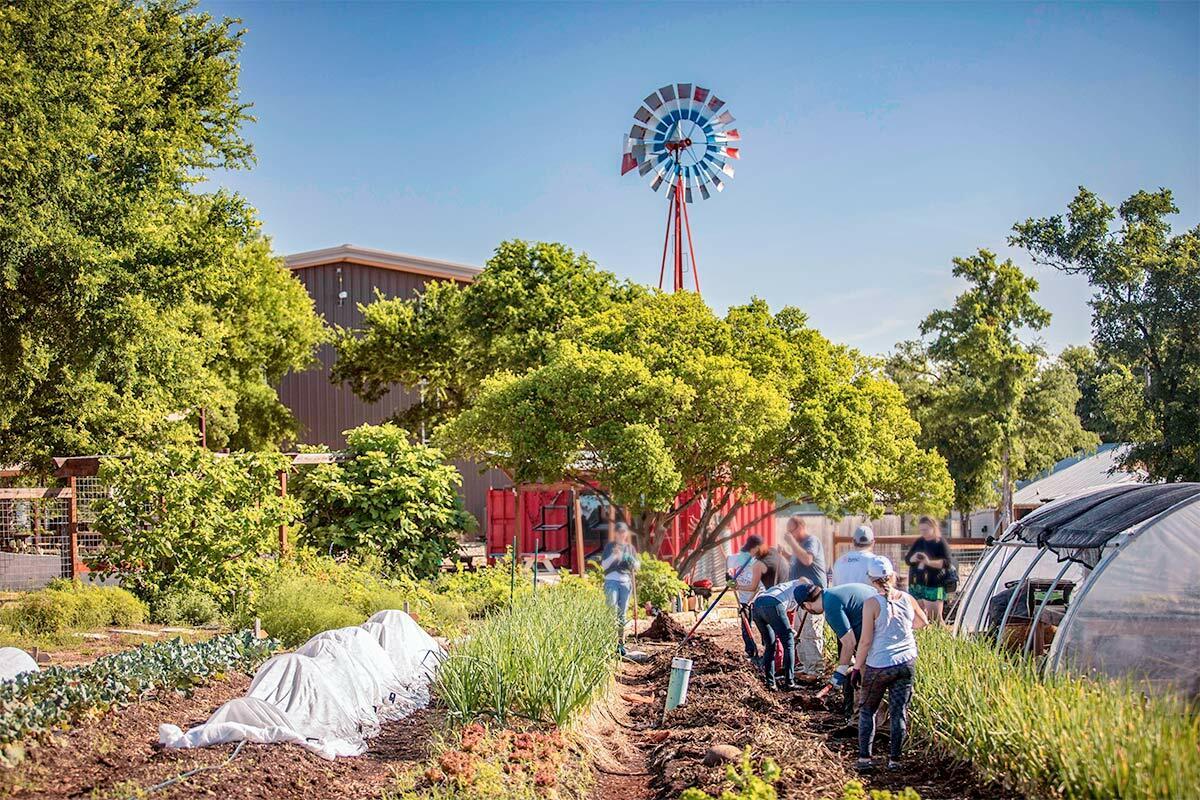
{"points": [[643, 115], [700, 94], [704, 192], [638, 132], [657, 182], [645, 167], [667, 92], [628, 163], [724, 118], [732, 152], [653, 101], [717, 184], [715, 103], [727, 169]]}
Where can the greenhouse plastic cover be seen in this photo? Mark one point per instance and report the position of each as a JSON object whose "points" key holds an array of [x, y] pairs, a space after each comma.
{"points": [[14, 662], [331, 694]]}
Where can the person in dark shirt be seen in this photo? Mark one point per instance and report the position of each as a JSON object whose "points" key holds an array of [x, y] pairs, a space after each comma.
{"points": [[928, 560]]}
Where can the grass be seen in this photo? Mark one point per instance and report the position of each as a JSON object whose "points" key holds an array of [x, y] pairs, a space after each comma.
{"points": [[544, 660], [1059, 737]]}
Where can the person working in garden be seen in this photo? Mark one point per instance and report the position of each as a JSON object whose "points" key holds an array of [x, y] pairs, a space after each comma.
{"points": [[852, 566], [842, 607], [770, 613], [619, 561], [929, 565], [808, 564], [745, 569], [887, 653]]}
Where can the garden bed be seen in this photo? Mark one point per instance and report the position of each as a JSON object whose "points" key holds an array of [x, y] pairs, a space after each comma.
{"points": [[117, 757], [728, 705]]}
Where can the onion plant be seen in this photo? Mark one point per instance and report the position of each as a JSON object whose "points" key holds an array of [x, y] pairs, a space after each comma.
{"points": [[545, 659], [1053, 737]]}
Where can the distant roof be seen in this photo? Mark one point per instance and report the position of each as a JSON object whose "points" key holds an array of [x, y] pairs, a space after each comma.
{"points": [[353, 254], [1075, 474]]}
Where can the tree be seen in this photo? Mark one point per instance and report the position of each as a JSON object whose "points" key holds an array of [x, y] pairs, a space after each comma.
{"points": [[984, 399], [1090, 374], [129, 301], [181, 519], [668, 408], [1145, 313], [450, 338], [389, 498]]}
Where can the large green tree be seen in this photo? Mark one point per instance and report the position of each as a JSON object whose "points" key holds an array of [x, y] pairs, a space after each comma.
{"points": [[987, 399], [451, 337], [1145, 317], [128, 299], [672, 408]]}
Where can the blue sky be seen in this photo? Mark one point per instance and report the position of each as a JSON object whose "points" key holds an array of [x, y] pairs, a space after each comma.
{"points": [[879, 140]]}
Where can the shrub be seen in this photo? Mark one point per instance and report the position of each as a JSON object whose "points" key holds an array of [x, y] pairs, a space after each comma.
{"points": [[44, 612], [390, 497], [294, 607], [64, 605], [487, 588], [186, 607], [1061, 737], [658, 584], [747, 783], [546, 659], [182, 518]]}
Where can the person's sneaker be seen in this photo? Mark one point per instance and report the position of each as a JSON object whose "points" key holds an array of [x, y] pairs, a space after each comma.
{"points": [[864, 765], [790, 686], [894, 765], [771, 687]]}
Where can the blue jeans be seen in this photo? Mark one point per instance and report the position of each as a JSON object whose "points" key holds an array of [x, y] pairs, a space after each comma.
{"points": [[747, 627], [771, 618], [897, 681], [617, 595]]}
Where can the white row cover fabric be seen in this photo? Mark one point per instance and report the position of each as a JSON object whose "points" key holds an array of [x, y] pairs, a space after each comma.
{"points": [[330, 695], [15, 661]]}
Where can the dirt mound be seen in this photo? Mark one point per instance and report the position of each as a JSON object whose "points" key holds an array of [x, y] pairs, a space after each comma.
{"points": [[665, 629]]}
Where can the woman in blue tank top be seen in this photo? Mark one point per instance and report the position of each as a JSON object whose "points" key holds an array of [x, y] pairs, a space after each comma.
{"points": [[887, 653]]}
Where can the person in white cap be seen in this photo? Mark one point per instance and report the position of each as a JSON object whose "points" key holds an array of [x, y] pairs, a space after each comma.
{"points": [[887, 656], [852, 566]]}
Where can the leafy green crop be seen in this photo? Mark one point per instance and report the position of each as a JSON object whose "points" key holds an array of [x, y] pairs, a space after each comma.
{"points": [[36, 703]]}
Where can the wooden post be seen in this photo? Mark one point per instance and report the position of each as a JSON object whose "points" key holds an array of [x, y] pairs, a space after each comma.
{"points": [[578, 512], [283, 543], [73, 530]]}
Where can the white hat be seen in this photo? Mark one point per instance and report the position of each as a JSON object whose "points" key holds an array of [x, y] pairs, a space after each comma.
{"points": [[880, 567], [863, 535]]}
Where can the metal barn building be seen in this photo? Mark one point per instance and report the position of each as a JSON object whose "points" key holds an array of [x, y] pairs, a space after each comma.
{"points": [[339, 279]]}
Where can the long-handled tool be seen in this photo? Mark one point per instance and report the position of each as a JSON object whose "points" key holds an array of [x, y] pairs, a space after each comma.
{"points": [[731, 582]]}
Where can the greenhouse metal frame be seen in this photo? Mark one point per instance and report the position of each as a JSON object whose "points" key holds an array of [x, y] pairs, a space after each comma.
{"points": [[1105, 582]]}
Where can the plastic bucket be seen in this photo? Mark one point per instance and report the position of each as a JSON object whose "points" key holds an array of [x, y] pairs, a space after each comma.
{"points": [[681, 673]]}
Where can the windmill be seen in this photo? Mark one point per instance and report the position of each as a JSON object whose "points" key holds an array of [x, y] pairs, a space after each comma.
{"points": [[682, 137]]}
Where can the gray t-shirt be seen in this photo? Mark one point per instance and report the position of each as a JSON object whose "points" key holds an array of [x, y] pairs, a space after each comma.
{"points": [[815, 571]]}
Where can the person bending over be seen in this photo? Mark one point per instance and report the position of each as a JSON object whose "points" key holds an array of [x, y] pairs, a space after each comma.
{"points": [[770, 613], [842, 607]]}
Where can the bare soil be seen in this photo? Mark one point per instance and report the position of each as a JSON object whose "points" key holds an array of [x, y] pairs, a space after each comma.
{"points": [[728, 704]]}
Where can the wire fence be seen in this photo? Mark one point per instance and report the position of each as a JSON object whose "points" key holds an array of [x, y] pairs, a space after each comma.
{"points": [[35, 537], [966, 553]]}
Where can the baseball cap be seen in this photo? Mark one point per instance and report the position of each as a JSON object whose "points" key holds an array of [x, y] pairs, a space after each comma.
{"points": [[752, 541], [805, 591], [880, 567], [863, 535]]}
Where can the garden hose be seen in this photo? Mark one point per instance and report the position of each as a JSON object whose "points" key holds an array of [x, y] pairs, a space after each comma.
{"points": [[185, 775]]}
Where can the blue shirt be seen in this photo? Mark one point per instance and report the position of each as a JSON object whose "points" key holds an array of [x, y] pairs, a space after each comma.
{"points": [[815, 571], [844, 607]]}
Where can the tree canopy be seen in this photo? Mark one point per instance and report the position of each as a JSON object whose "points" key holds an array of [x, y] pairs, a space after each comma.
{"points": [[449, 339], [986, 399], [129, 300], [657, 399], [1145, 315]]}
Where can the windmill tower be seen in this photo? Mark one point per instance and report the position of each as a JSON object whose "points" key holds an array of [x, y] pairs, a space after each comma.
{"points": [[682, 138]]}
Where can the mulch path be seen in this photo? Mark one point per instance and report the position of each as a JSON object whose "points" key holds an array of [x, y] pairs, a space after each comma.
{"points": [[728, 704], [117, 756]]}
